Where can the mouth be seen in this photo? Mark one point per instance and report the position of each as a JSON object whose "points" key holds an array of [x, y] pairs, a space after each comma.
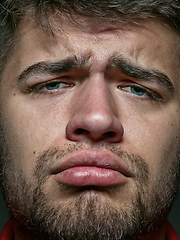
{"points": [[91, 168]]}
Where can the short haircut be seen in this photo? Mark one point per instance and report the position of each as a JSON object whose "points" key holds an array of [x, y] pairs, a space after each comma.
{"points": [[13, 11]]}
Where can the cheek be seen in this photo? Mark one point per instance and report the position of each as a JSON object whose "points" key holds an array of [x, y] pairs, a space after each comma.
{"points": [[155, 138], [30, 129]]}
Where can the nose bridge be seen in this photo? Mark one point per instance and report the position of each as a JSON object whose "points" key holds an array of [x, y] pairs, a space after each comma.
{"points": [[96, 98]]}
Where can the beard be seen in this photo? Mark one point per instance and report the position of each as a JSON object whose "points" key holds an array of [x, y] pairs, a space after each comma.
{"points": [[88, 214]]}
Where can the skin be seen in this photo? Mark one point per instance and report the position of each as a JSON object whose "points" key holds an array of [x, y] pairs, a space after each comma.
{"points": [[94, 99]]}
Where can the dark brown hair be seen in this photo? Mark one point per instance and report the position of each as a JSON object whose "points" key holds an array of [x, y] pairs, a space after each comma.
{"points": [[13, 11]]}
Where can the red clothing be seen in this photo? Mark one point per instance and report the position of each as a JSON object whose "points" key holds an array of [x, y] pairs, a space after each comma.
{"points": [[170, 232], [7, 233]]}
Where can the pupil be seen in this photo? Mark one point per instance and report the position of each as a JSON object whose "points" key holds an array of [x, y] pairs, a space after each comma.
{"points": [[52, 86], [137, 91]]}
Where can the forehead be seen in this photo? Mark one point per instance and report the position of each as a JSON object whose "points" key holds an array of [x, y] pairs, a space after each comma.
{"points": [[148, 43]]}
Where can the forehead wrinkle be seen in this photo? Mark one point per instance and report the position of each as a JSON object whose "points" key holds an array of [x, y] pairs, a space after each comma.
{"points": [[137, 51]]}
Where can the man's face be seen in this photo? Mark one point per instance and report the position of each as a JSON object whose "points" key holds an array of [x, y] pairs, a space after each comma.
{"points": [[91, 128]]}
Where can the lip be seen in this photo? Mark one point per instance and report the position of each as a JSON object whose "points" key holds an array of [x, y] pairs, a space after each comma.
{"points": [[91, 167]]}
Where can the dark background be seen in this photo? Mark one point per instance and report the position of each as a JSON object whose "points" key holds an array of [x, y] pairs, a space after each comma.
{"points": [[174, 216]]}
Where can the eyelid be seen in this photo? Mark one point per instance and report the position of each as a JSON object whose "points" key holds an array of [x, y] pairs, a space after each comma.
{"points": [[39, 86], [35, 79], [154, 95]]}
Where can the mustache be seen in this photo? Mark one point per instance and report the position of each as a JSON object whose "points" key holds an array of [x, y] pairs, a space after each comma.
{"points": [[48, 158]]}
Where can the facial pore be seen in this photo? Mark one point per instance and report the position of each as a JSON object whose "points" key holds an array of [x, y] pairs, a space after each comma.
{"points": [[86, 214]]}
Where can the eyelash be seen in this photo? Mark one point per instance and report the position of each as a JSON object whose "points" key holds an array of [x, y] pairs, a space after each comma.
{"points": [[152, 95], [39, 87]]}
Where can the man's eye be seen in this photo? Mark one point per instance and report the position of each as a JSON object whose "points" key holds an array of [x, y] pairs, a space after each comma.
{"points": [[142, 92], [52, 86], [49, 87], [135, 90]]}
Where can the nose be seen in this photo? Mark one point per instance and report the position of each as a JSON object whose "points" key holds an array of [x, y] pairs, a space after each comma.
{"points": [[95, 115]]}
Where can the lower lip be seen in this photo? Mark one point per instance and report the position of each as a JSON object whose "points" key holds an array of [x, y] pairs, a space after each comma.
{"points": [[87, 175]]}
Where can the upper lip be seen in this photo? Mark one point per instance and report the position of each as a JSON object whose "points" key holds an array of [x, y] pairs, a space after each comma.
{"points": [[92, 158]]}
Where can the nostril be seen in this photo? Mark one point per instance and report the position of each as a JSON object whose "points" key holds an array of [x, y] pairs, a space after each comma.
{"points": [[89, 128], [80, 131], [109, 134]]}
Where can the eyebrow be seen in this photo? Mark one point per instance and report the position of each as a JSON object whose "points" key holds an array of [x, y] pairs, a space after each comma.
{"points": [[118, 61], [65, 65], [135, 71]]}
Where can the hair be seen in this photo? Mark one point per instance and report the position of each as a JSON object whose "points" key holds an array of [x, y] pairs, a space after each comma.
{"points": [[12, 12]]}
